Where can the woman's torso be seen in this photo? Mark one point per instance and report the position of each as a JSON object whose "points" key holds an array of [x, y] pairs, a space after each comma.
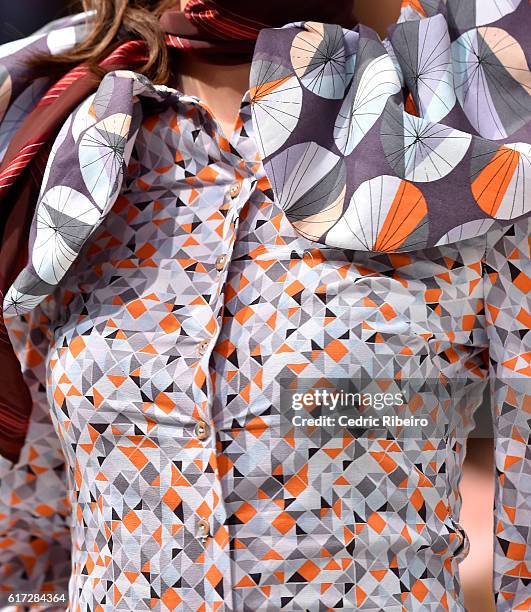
{"points": [[181, 259]]}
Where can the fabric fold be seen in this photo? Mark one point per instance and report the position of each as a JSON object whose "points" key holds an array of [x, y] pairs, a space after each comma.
{"points": [[423, 138]]}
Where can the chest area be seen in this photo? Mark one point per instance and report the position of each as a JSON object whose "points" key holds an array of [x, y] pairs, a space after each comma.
{"points": [[168, 273], [196, 253]]}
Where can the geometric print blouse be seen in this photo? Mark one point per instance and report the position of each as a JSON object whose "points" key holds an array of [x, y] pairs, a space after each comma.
{"points": [[154, 475]]}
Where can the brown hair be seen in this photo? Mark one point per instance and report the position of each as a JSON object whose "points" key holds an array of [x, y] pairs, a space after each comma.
{"points": [[115, 22]]}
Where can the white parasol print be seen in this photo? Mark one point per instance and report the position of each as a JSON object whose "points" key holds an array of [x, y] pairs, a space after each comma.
{"points": [[466, 230], [322, 60], [365, 102], [276, 101], [501, 178], [309, 183], [419, 150], [384, 214], [65, 217], [424, 52], [102, 150], [18, 302], [474, 13], [493, 82]]}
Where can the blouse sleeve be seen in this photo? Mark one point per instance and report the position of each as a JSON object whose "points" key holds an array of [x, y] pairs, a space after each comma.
{"points": [[34, 502], [507, 277]]}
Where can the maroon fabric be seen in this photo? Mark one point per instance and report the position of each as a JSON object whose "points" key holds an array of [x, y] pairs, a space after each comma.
{"points": [[13, 390], [225, 31], [18, 206], [276, 13], [18, 198], [215, 20]]}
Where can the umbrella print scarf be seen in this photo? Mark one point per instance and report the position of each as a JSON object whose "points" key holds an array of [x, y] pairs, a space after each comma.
{"points": [[423, 139]]}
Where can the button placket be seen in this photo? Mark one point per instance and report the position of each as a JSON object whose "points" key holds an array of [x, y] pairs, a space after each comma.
{"points": [[201, 430], [221, 260], [203, 529], [235, 189], [202, 347], [229, 232]]}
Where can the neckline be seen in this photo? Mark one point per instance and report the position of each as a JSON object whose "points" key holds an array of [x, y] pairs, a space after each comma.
{"points": [[232, 137], [182, 97], [401, 18]]}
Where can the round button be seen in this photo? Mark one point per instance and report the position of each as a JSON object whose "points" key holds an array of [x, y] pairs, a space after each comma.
{"points": [[235, 189], [201, 430], [220, 262], [203, 528], [202, 347]]}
